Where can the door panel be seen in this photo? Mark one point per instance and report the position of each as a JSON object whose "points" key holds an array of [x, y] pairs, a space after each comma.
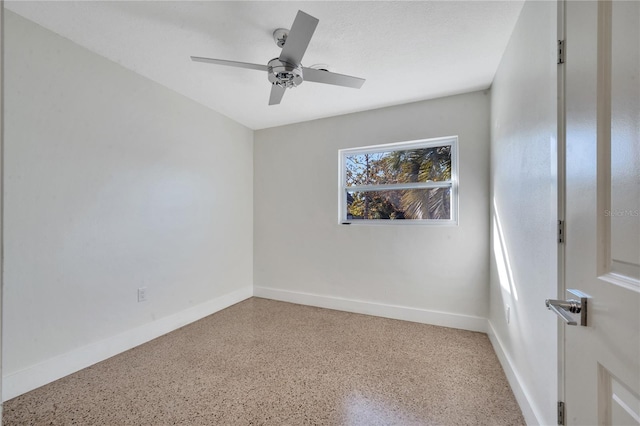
{"points": [[618, 405], [625, 128], [602, 257]]}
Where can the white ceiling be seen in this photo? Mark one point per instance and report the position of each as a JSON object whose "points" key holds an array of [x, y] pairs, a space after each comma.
{"points": [[407, 51]]}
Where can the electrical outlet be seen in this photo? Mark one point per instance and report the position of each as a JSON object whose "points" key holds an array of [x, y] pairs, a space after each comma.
{"points": [[507, 313], [142, 294]]}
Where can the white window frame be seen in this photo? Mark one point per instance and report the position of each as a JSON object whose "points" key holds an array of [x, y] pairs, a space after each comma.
{"points": [[399, 146]]}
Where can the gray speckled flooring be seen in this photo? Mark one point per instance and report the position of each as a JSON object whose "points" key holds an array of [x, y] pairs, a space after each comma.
{"points": [[263, 362]]}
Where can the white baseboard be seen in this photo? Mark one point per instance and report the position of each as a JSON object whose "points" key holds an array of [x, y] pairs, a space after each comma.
{"points": [[19, 382], [444, 319], [530, 413]]}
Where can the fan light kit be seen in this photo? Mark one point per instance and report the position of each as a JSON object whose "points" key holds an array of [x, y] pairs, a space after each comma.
{"points": [[283, 73], [286, 71]]}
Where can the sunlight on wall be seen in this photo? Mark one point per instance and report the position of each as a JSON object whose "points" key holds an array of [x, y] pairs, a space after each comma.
{"points": [[501, 253]]}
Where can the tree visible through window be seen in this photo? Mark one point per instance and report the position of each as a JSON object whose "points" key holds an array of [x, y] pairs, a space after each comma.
{"points": [[409, 180]]}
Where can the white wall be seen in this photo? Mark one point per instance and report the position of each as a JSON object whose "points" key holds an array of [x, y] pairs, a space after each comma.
{"points": [[524, 214], [303, 255], [113, 182]]}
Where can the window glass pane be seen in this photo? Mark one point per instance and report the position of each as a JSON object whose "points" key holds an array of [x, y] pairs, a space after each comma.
{"points": [[388, 167], [424, 203]]}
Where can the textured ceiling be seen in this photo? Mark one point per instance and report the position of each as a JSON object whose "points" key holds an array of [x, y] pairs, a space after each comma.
{"points": [[407, 51]]}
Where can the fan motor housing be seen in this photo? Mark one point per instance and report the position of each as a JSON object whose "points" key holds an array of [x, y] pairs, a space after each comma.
{"points": [[283, 73]]}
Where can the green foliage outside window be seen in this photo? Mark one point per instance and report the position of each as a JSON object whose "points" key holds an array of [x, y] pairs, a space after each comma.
{"points": [[432, 164]]}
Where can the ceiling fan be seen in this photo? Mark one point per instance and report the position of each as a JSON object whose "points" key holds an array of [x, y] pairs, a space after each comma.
{"points": [[286, 71]]}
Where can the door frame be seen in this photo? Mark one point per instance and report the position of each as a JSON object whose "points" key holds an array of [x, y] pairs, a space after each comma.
{"points": [[561, 159], [1, 185]]}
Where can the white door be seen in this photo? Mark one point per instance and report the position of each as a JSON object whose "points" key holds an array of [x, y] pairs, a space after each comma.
{"points": [[602, 258]]}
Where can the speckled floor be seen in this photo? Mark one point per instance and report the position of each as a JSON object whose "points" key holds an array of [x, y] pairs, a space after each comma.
{"points": [[263, 362]]}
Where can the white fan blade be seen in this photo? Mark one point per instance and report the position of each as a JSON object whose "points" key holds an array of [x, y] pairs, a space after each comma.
{"points": [[298, 39], [320, 76], [230, 63], [277, 92]]}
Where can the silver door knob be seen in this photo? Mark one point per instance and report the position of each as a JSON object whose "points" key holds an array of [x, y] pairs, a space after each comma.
{"points": [[566, 308]]}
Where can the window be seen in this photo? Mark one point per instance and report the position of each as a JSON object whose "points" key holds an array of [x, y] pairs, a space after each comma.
{"points": [[405, 182]]}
